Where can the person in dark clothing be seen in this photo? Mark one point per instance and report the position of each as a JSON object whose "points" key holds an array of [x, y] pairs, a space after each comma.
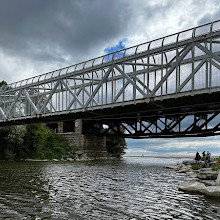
{"points": [[197, 158], [203, 153]]}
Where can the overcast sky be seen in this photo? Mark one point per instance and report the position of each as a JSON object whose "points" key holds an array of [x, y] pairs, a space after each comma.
{"points": [[37, 36]]}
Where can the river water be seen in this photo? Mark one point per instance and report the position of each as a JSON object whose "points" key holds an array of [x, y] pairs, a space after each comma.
{"points": [[134, 188]]}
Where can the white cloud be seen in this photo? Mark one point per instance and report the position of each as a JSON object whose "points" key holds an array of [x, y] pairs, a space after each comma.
{"points": [[174, 146], [160, 18]]}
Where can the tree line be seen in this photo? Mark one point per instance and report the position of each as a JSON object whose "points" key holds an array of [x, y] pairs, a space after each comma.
{"points": [[36, 141]]}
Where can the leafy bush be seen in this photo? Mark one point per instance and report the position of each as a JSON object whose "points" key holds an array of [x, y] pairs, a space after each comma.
{"points": [[9, 155], [74, 149], [203, 158], [195, 167], [215, 166], [31, 141], [218, 159], [115, 146]]}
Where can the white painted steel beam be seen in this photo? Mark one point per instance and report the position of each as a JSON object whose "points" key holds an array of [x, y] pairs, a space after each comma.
{"points": [[152, 73]]}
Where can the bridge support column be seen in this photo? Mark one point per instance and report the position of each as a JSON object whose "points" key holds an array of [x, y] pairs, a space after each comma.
{"points": [[92, 146], [60, 127]]}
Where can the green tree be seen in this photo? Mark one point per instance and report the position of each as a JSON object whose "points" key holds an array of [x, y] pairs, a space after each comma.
{"points": [[115, 146], [31, 141], [11, 141], [42, 143], [2, 83]]}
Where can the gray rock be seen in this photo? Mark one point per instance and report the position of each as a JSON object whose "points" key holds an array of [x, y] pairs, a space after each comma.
{"points": [[191, 174], [202, 164], [207, 174], [196, 171], [79, 152], [213, 191], [189, 162], [205, 169], [208, 182], [69, 159], [182, 168], [35, 160], [171, 166], [55, 160], [218, 180], [182, 171], [195, 187], [83, 157]]}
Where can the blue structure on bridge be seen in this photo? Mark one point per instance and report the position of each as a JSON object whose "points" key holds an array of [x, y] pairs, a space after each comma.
{"points": [[168, 87]]}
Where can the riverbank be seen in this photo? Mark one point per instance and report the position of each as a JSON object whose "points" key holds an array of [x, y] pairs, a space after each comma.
{"points": [[175, 157], [204, 180], [76, 157], [161, 156]]}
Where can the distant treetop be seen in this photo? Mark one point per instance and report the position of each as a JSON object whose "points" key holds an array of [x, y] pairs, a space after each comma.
{"points": [[3, 83]]}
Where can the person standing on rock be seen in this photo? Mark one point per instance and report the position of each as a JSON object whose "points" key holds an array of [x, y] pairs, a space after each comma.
{"points": [[203, 154], [197, 158], [208, 159]]}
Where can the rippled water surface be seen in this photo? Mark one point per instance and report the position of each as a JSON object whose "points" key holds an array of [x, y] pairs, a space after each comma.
{"points": [[134, 188]]}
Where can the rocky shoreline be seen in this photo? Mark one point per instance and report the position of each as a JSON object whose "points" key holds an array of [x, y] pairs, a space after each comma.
{"points": [[76, 156], [204, 180]]}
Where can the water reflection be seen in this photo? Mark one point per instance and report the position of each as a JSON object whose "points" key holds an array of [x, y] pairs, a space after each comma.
{"points": [[135, 188]]}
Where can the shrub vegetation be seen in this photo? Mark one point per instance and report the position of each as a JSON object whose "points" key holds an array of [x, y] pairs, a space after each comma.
{"points": [[216, 166], [115, 146], [31, 141], [195, 167]]}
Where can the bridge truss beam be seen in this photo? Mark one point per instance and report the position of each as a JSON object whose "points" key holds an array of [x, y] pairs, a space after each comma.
{"points": [[180, 124], [179, 65]]}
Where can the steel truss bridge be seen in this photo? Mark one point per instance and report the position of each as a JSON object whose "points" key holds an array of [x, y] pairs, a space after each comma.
{"points": [[168, 87]]}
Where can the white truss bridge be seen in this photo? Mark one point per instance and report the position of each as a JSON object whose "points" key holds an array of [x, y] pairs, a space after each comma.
{"points": [[183, 64]]}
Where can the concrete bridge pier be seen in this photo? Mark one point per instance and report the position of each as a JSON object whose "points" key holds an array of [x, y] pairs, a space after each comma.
{"points": [[92, 146]]}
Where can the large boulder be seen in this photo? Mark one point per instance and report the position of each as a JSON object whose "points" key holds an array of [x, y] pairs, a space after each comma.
{"points": [[191, 174], [207, 174], [178, 167], [213, 191], [195, 187], [208, 182], [218, 180], [171, 167], [189, 162]]}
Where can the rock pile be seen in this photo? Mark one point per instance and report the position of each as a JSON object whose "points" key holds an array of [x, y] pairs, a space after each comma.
{"points": [[207, 182]]}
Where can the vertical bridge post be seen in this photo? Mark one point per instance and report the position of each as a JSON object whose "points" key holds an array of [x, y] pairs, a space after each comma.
{"points": [[92, 146]]}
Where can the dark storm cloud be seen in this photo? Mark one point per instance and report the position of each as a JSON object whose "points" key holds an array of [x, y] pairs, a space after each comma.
{"points": [[53, 29]]}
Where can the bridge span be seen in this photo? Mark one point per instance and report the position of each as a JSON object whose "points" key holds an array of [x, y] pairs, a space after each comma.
{"points": [[168, 87]]}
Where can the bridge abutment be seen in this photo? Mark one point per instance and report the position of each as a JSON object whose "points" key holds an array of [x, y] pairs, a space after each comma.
{"points": [[92, 146]]}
